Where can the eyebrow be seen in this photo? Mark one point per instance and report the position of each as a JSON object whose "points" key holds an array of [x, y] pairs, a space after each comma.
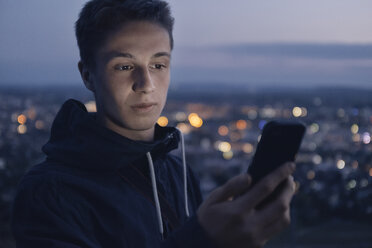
{"points": [[115, 54]]}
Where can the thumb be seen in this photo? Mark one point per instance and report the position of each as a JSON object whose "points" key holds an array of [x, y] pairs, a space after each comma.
{"points": [[233, 187]]}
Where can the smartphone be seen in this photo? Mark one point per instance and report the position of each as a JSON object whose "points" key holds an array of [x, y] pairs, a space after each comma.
{"points": [[279, 143]]}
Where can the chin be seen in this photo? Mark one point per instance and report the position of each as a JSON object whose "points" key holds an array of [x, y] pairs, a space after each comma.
{"points": [[141, 126]]}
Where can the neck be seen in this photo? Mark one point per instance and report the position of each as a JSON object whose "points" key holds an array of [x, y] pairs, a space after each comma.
{"points": [[133, 134]]}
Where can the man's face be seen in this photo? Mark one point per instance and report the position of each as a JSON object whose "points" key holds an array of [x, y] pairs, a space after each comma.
{"points": [[132, 76]]}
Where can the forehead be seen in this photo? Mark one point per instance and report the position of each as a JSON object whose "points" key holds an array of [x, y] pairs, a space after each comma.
{"points": [[138, 37]]}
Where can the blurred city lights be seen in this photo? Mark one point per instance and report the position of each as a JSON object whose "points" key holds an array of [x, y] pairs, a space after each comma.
{"points": [[91, 106], [297, 111], [317, 159], [31, 113], [248, 148], [354, 128], [355, 164], [268, 112], [351, 184], [252, 114], [366, 138], [180, 116], [195, 120], [340, 164], [241, 124], [314, 128], [163, 121], [355, 111], [185, 128], [39, 124], [228, 155], [310, 175], [303, 112], [22, 129], [356, 137], [22, 119], [363, 183], [370, 172], [224, 146], [223, 130]]}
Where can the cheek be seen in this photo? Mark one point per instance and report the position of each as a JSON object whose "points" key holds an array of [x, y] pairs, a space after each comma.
{"points": [[118, 87], [163, 87]]}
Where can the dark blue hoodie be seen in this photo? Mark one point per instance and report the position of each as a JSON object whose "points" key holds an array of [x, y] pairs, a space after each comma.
{"points": [[94, 190]]}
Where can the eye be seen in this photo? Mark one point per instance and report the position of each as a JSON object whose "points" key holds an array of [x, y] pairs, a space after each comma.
{"points": [[124, 67], [158, 66]]}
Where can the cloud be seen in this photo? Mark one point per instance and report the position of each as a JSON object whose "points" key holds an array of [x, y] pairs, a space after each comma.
{"points": [[320, 51], [290, 63]]}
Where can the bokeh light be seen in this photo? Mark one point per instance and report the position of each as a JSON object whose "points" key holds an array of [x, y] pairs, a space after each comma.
{"points": [[247, 148], [310, 175], [184, 128], [22, 129], [354, 128], [223, 130], [366, 138], [314, 128], [228, 155], [224, 146], [340, 164], [180, 116], [21, 119], [195, 120], [241, 124], [163, 121], [39, 124], [297, 111]]}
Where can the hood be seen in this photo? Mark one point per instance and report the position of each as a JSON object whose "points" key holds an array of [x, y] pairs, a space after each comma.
{"points": [[78, 140]]}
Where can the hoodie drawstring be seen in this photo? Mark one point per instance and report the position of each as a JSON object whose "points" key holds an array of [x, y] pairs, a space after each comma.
{"points": [[184, 173], [155, 190]]}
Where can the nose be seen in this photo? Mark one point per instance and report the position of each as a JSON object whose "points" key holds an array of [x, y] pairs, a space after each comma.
{"points": [[142, 81]]}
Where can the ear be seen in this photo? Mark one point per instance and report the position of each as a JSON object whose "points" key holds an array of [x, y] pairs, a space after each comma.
{"points": [[86, 76]]}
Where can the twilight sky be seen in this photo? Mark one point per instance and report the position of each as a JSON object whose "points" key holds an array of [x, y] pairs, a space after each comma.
{"points": [[286, 42]]}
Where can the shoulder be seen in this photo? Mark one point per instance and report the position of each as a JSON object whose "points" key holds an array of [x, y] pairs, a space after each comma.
{"points": [[39, 184], [44, 193], [48, 182]]}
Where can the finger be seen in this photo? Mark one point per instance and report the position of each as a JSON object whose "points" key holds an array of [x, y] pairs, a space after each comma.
{"points": [[235, 186], [279, 205], [265, 186], [276, 226]]}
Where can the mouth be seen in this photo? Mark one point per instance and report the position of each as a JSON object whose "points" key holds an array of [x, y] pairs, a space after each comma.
{"points": [[143, 107]]}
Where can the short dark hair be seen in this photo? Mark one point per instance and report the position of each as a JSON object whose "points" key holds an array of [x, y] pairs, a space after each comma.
{"points": [[98, 18]]}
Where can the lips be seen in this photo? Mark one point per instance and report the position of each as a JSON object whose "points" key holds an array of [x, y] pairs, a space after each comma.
{"points": [[143, 107]]}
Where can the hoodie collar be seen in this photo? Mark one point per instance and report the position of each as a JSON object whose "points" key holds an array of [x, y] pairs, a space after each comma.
{"points": [[78, 140]]}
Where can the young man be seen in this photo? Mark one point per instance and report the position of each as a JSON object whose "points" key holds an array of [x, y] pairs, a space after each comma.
{"points": [[108, 179]]}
